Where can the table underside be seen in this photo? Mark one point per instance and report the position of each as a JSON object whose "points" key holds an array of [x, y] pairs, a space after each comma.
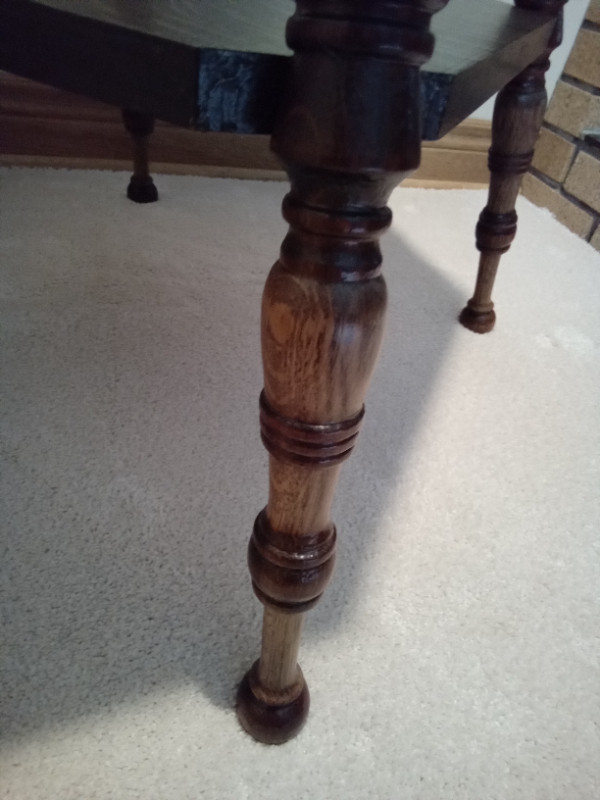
{"points": [[222, 66]]}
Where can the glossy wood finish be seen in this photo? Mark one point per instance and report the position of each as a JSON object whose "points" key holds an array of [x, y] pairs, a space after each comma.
{"points": [[140, 126], [518, 115], [223, 66], [349, 132], [346, 122]]}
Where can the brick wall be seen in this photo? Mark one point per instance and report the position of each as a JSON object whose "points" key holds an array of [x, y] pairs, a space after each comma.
{"points": [[565, 174]]}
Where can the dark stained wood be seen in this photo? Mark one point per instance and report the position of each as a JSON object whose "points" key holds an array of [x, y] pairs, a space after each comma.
{"points": [[122, 67], [223, 66], [348, 132], [480, 46], [43, 125], [266, 722], [346, 122], [140, 126], [40, 125], [518, 115], [246, 26]]}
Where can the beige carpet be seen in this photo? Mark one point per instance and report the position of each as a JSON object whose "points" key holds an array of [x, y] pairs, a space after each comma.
{"points": [[456, 653]]}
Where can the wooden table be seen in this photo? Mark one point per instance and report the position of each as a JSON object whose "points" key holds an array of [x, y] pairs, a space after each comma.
{"points": [[347, 105]]}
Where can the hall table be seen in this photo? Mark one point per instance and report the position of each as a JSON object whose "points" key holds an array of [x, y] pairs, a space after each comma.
{"points": [[342, 93]]}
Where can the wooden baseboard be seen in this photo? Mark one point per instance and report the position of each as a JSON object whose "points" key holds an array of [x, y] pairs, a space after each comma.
{"points": [[42, 126]]}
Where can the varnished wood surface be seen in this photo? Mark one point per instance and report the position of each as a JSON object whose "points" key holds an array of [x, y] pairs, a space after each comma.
{"points": [[466, 31], [43, 125], [348, 131], [221, 65], [518, 114]]}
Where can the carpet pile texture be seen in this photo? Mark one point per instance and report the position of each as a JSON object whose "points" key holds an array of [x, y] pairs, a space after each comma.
{"points": [[456, 653]]}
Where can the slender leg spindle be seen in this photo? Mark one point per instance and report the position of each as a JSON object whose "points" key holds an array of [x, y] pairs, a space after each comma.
{"points": [[518, 115], [141, 187], [355, 72]]}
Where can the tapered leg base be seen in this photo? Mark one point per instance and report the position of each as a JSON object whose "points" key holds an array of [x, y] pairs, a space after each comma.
{"points": [[477, 321], [266, 722], [142, 190]]}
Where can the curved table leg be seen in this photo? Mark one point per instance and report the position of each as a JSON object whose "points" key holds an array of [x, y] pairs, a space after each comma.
{"points": [[323, 308], [518, 115], [141, 187]]}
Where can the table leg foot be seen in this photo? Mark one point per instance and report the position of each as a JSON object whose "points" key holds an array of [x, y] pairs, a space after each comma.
{"points": [[141, 187], [271, 717], [142, 190], [477, 320]]}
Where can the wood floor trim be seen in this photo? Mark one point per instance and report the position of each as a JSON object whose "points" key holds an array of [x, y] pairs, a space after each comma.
{"points": [[42, 126]]}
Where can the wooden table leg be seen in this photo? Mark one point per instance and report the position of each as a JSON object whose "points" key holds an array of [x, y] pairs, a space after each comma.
{"points": [[518, 114], [141, 187], [355, 73]]}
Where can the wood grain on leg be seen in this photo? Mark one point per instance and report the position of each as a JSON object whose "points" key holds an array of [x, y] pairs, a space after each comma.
{"points": [[518, 115], [349, 133]]}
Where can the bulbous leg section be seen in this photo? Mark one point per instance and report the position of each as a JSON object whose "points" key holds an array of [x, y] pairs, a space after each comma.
{"points": [[271, 717]]}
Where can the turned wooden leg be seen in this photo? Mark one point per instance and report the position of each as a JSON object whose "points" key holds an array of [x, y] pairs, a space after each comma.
{"points": [[320, 337], [141, 187], [518, 115], [323, 308]]}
